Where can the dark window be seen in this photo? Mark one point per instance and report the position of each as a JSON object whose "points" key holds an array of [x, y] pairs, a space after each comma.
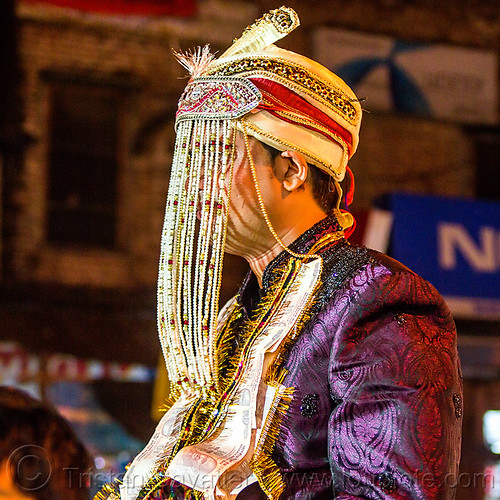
{"points": [[487, 145], [84, 162]]}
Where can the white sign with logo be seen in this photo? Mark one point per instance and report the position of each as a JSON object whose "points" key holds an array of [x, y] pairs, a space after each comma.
{"points": [[439, 81]]}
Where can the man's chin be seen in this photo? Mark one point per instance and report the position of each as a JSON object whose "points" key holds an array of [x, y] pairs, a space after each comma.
{"points": [[232, 247]]}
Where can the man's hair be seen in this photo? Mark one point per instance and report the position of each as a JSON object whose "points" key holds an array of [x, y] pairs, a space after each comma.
{"points": [[322, 184], [45, 457]]}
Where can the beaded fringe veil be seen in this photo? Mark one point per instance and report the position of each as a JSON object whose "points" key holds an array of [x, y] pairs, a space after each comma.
{"points": [[192, 250]]}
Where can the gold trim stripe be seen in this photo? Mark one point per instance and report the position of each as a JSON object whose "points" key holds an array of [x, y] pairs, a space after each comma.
{"points": [[328, 168], [284, 71]]}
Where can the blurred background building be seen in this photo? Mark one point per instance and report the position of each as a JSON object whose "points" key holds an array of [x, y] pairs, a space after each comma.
{"points": [[88, 93]]}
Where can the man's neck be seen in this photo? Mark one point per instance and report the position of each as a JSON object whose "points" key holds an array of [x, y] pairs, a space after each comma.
{"points": [[259, 262]]}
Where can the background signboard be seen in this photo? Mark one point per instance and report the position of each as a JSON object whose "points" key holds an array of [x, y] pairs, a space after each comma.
{"points": [[455, 244], [128, 7], [440, 81]]}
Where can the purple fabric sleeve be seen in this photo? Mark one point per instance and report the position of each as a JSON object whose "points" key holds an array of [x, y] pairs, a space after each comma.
{"points": [[379, 362], [393, 363]]}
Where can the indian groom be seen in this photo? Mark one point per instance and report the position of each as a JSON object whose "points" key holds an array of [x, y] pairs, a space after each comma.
{"points": [[333, 373]]}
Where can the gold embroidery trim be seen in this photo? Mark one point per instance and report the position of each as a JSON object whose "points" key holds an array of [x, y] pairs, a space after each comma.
{"points": [[262, 463], [328, 168], [300, 77]]}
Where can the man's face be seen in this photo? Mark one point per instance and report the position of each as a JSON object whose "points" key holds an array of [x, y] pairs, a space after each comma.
{"points": [[246, 224], [246, 228]]}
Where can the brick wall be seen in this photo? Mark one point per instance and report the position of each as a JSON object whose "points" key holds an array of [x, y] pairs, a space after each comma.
{"points": [[54, 40], [396, 152]]}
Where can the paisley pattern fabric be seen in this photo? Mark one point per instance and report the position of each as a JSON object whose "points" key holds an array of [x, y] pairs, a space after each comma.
{"points": [[376, 411], [376, 378]]}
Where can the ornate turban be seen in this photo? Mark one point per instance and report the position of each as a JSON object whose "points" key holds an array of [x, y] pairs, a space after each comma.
{"points": [[301, 104]]}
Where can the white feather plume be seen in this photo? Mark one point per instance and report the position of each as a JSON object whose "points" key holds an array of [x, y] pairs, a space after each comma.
{"points": [[196, 61]]}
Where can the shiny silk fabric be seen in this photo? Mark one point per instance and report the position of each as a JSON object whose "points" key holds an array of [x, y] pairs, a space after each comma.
{"points": [[377, 406]]}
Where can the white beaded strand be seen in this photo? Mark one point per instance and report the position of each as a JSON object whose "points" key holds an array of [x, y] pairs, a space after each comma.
{"points": [[190, 326], [191, 267], [166, 319]]}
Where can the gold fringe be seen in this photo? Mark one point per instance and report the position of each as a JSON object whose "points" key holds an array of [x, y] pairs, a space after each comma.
{"points": [[167, 403], [262, 464], [224, 357], [198, 495], [108, 492]]}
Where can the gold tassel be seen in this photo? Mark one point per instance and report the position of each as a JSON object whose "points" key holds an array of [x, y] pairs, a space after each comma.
{"points": [[271, 27], [262, 464], [108, 492]]}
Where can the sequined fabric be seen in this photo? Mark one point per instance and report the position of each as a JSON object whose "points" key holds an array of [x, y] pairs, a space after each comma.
{"points": [[379, 355]]}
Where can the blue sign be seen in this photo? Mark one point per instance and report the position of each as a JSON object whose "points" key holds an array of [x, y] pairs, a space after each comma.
{"points": [[454, 244]]}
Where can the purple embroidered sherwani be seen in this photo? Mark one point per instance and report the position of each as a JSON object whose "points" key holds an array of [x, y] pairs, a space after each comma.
{"points": [[376, 411]]}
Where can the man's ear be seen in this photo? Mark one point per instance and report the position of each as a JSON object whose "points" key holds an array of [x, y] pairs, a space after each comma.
{"points": [[293, 170]]}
